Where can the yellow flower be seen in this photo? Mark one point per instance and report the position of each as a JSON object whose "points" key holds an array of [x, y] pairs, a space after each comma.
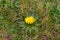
{"points": [[30, 19]]}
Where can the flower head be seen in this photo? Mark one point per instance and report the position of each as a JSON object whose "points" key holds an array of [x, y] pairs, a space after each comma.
{"points": [[30, 19]]}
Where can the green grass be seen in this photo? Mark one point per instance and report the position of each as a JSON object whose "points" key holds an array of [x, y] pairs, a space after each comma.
{"points": [[13, 13]]}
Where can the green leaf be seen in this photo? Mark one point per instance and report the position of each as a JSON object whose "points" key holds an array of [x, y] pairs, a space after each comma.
{"points": [[58, 7], [1, 17]]}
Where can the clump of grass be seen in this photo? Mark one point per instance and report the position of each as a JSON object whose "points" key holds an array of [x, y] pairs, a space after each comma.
{"points": [[45, 27]]}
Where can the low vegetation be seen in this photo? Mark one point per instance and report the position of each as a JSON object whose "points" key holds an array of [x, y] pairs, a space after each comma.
{"points": [[46, 14]]}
